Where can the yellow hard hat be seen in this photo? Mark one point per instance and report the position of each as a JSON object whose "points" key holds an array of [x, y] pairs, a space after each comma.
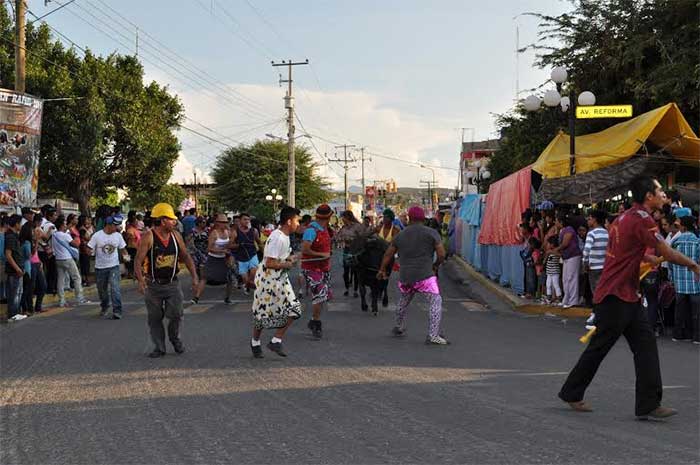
{"points": [[161, 210]]}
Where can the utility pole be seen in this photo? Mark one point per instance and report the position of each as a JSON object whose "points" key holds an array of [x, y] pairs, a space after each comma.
{"points": [[431, 185], [196, 205], [344, 161], [20, 50], [289, 106], [362, 151]]}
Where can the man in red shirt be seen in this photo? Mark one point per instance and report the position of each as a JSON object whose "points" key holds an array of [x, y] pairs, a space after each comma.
{"points": [[316, 265], [617, 304]]}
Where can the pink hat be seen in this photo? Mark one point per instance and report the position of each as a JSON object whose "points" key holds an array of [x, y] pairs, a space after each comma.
{"points": [[416, 213]]}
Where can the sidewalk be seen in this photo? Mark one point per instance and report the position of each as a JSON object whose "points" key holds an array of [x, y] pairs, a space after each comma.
{"points": [[519, 304], [50, 302]]}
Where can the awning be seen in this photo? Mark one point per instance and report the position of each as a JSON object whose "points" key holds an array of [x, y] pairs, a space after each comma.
{"points": [[665, 127], [604, 183], [507, 199]]}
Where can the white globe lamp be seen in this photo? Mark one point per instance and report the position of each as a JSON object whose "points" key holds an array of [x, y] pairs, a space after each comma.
{"points": [[486, 174], [559, 75], [268, 197], [565, 103], [552, 98], [532, 103], [586, 98]]}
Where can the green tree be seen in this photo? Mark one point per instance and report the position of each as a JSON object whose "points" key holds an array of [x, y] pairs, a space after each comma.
{"points": [[245, 174], [643, 52], [117, 133]]}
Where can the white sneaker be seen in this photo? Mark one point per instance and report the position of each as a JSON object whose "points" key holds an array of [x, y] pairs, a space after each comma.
{"points": [[84, 301], [437, 340]]}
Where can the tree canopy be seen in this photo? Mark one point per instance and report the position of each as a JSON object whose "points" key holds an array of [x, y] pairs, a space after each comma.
{"points": [[640, 52], [246, 174], [117, 132]]}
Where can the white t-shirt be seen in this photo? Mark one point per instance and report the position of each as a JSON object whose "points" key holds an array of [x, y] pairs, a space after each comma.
{"points": [[105, 248], [277, 245], [61, 252]]}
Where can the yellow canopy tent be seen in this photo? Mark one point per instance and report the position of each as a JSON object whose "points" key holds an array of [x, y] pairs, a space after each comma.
{"points": [[664, 127]]}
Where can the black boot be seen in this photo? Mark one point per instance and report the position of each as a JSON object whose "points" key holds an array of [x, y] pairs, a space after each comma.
{"points": [[315, 327]]}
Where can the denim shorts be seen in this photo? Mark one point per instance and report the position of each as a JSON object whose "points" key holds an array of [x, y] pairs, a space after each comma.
{"points": [[245, 267]]}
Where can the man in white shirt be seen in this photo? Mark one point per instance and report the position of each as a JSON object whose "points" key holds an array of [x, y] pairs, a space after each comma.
{"points": [[64, 248], [45, 251], [105, 246]]}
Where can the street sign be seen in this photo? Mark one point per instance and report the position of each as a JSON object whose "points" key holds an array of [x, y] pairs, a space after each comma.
{"points": [[604, 111]]}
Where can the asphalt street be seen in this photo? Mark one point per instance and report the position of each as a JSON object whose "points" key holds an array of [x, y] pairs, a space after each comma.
{"points": [[77, 389]]}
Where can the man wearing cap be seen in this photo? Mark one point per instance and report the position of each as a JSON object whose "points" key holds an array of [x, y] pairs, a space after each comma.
{"points": [[105, 246], [316, 265], [416, 246], [163, 248]]}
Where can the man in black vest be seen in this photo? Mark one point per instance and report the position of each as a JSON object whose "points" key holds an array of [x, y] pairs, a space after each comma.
{"points": [[164, 248]]}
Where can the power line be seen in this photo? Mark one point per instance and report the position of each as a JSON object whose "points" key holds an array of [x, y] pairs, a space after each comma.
{"points": [[179, 57], [185, 79], [50, 12]]}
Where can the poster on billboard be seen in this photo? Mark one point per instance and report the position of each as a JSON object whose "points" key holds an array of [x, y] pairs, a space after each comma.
{"points": [[20, 139]]}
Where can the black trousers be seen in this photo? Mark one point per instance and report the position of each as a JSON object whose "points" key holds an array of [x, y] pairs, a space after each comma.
{"points": [[615, 318]]}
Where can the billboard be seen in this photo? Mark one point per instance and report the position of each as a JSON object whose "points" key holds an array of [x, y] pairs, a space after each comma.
{"points": [[20, 138]]}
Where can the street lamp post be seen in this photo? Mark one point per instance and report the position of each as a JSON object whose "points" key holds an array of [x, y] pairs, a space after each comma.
{"points": [[275, 198], [432, 186], [552, 98], [479, 176]]}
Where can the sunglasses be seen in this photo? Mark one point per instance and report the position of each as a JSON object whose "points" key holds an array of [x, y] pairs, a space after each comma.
{"points": [[222, 221]]}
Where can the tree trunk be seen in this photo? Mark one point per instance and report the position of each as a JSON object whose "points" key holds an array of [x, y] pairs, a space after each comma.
{"points": [[83, 195]]}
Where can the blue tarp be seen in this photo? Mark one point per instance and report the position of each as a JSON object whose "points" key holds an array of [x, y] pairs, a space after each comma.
{"points": [[471, 211]]}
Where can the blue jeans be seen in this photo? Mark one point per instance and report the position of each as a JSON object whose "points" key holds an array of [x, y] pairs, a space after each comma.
{"points": [[106, 278], [13, 289]]}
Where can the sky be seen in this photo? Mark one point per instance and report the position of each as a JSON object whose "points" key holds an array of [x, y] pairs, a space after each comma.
{"points": [[397, 77]]}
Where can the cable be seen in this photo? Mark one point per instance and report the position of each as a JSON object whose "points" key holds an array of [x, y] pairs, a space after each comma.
{"points": [[187, 79], [52, 11], [180, 57]]}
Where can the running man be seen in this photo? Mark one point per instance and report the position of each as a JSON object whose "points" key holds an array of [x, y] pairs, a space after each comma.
{"points": [[164, 248], [617, 306], [316, 265], [243, 240], [274, 303], [416, 245]]}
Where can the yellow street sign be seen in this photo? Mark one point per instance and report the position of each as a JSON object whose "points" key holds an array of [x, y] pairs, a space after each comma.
{"points": [[604, 111]]}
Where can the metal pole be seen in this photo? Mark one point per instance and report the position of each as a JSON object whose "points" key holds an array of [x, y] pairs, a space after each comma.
{"points": [[572, 132]]}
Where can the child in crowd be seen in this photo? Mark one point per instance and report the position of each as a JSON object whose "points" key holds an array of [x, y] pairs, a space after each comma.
{"points": [[526, 254], [553, 269]]}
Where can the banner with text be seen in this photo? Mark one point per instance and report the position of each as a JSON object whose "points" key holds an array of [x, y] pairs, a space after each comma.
{"points": [[20, 138]]}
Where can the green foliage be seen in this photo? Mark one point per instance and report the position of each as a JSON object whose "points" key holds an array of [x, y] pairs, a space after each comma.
{"points": [[245, 174], [111, 197], [642, 52], [169, 193], [117, 133]]}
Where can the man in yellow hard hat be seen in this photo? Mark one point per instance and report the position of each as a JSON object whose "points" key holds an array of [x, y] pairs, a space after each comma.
{"points": [[163, 248]]}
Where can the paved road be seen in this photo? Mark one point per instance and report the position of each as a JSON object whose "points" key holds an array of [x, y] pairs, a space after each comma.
{"points": [[78, 389]]}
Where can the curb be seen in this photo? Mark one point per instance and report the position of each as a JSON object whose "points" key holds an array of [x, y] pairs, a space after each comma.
{"points": [[51, 301], [518, 304]]}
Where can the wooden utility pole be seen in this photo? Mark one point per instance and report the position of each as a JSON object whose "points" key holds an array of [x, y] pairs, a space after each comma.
{"points": [[346, 167], [289, 106], [20, 50], [362, 158], [196, 205]]}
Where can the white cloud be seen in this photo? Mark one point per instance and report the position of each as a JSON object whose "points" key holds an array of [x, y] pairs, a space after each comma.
{"points": [[332, 118]]}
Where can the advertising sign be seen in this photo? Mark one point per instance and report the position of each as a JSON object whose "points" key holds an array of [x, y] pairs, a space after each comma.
{"points": [[20, 138]]}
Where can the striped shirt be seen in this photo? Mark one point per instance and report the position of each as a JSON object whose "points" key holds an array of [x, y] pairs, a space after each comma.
{"points": [[684, 279], [595, 247], [553, 266]]}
